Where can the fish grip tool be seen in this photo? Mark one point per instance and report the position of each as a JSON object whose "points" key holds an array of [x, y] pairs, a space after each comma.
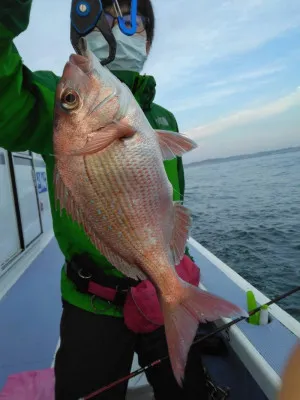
{"points": [[85, 17]]}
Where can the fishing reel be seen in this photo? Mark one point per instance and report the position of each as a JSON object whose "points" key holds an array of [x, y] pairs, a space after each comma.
{"points": [[86, 15], [215, 392]]}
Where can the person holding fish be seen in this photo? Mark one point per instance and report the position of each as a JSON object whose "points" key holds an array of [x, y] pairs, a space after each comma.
{"points": [[116, 186]]}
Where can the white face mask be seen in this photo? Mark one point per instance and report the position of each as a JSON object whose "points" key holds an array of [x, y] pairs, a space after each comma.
{"points": [[131, 50]]}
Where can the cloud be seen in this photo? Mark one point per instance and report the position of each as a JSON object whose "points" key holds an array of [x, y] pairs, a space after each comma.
{"points": [[248, 116], [190, 38], [249, 75], [205, 99], [213, 97]]}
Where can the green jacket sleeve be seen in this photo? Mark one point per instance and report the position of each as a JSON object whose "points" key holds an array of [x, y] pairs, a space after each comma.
{"points": [[26, 98]]}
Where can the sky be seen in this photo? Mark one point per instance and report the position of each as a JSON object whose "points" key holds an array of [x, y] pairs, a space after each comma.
{"points": [[229, 70]]}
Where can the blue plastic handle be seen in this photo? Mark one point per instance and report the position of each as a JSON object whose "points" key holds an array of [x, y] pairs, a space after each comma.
{"points": [[85, 15], [133, 13]]}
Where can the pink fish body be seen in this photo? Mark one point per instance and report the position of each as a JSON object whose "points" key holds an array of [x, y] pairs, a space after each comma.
{"points": [[111, 179]]}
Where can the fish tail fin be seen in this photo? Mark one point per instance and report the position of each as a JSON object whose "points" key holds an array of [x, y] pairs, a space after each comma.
{"points": [[182, 319]]}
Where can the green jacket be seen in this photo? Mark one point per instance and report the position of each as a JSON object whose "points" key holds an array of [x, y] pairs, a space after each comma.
{"points": [[26, 117]]}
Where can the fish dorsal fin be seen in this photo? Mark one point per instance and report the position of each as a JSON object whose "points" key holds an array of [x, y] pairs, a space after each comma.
{"points": [[182, 223], [173, 144], [68, 203]]}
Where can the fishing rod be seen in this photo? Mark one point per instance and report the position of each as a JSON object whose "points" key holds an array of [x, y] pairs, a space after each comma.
{"points": [[209, 335]]}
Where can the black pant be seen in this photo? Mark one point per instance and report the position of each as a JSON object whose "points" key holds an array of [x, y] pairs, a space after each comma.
{"points": [[96, 350]]}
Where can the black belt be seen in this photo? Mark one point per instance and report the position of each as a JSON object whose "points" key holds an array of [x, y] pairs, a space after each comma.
{"points": [[89, 278]]}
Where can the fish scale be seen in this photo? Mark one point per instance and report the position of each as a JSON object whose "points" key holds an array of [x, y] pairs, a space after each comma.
{"points": [[111, 218], [128, 178]]}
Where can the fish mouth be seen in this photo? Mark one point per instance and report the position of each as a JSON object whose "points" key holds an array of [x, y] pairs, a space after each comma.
{"points": [[82, 62]]}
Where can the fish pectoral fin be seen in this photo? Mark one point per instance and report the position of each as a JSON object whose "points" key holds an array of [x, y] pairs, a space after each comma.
{"points": [[174, 144], [104, 137], [182, 223]]}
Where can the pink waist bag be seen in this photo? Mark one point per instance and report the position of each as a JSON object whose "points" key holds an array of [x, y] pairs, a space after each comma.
{"points": [[142, 311]]}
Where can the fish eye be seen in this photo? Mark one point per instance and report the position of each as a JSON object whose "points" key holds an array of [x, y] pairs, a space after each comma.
{"points": [[70, 100]]}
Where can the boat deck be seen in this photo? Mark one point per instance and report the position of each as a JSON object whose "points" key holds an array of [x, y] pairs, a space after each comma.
{"points": [[31, 309]]}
